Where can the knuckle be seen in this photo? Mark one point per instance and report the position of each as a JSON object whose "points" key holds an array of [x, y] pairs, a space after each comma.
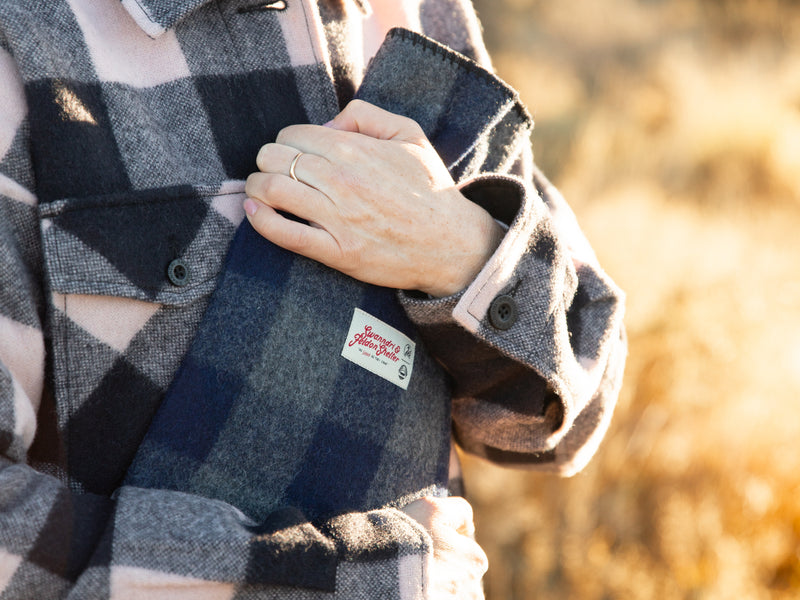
{"points": [[415, 127], [349, 152], [461, 503], [261, 157], [480, 560], [472, 555], [356, 105], [457, 507], [262, 184], [252, 186], [285, 134]]}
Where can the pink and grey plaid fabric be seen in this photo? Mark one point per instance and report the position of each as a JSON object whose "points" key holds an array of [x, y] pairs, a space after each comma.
{"points": [[126, 130], [264, 411]]}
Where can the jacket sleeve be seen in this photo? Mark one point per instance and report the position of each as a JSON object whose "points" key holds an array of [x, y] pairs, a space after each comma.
{"points": [[536, 344], [56, 542]]}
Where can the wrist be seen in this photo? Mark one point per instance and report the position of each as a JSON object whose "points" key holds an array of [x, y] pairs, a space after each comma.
{"points": [[459, 268]]}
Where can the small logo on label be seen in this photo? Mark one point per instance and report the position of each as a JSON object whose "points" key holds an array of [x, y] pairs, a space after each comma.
{"points": [[379, 348]]}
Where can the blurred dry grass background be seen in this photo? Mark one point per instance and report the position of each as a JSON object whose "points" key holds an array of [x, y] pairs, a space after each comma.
{"points": [[673, 128]]}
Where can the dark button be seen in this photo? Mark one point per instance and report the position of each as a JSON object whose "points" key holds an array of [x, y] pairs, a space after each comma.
{"points": [[503, 312], [178, 272]]}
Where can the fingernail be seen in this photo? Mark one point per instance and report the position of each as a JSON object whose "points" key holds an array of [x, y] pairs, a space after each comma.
{"points": [[328, 124], [250, 206]]}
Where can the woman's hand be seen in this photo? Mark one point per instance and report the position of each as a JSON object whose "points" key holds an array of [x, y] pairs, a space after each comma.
{"points": [[459, 563], [380, 204]]}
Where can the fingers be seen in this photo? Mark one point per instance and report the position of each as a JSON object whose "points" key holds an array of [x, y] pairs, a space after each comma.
{"points": [[308, 240], [358, 117], [458, 569], [459, 562], [461, 549], [454, 512], [282, 193], [350, 139], [309, 168], [365, 118], [273, 190], [322, 141], [275, 158], [387, 206]]}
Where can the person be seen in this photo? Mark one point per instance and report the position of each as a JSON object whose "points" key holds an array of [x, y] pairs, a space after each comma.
{"points": [[135, 138]]}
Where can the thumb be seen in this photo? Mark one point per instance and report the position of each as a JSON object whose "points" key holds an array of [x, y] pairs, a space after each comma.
{"points": [[365, 118]]}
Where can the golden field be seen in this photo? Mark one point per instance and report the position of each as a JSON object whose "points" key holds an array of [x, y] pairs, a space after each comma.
{"points": [[673, 128]]}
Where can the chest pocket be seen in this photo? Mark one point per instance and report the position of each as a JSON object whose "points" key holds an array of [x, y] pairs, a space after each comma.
{"points": [[129, 276]]}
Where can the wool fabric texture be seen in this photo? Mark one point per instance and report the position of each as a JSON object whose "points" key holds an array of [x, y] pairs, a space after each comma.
{"points": [[127, 130], [264, 411]]}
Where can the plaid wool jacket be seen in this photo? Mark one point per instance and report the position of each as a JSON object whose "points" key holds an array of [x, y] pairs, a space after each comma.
{"points": [[126, 132]]}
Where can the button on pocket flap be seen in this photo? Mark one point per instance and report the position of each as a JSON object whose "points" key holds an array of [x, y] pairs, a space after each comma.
{"points": [[164, 245]]}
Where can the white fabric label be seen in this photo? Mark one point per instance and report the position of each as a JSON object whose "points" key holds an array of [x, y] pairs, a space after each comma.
{"points": [[379, 348]]}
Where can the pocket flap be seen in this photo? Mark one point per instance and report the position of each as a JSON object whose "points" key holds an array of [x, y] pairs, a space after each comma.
{"points": [[163, 245]]}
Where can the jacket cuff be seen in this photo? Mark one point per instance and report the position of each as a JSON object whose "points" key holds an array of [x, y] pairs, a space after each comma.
{"points": [[501, 197], [524, 299], [507, 200]]}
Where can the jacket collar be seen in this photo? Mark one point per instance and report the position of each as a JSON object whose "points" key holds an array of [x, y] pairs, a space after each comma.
{"points": [[155, 17]]}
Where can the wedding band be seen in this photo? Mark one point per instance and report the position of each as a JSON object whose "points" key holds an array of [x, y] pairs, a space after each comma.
{"points": [[292, 166]]}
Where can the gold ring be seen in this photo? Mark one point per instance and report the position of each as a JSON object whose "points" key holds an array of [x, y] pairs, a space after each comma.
{"points": [[292, 166]]}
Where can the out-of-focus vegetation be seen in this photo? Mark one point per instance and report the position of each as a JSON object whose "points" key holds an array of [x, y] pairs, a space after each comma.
{"points": [[673, 128]]}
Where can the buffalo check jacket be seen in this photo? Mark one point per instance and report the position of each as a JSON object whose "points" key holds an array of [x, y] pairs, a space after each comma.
{"points": [[126, 132]]}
